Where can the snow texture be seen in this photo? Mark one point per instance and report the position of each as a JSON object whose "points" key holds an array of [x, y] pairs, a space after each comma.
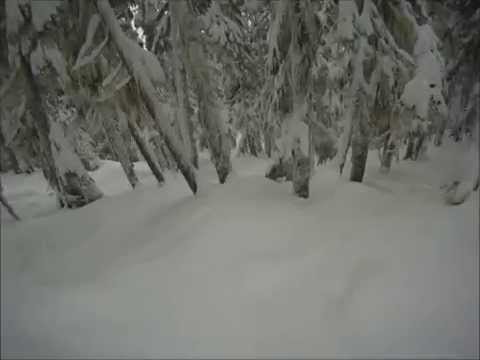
{"points": [[347, 13], [377, 269]]}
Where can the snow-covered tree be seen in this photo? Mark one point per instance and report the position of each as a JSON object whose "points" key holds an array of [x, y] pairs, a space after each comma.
{"points": [[46, 110], [292, 40]]}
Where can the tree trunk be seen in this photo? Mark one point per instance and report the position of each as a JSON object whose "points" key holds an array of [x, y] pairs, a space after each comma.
{"points": [[117, 144], [268, 139], [41, 123], [7, 206], [132, 62], [61, 166], [410, 147], [387, 153], [5, 203], [209, 112], [345, 142], [158, 145], [359, 140], [85, 150], [359, 158], [145, 150], [300, 172], [439, 137], [181, 86], [418, 146], [76, 185]]}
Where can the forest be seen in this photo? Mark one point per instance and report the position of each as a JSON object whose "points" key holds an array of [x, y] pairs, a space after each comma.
{"points": [[239, 178]]}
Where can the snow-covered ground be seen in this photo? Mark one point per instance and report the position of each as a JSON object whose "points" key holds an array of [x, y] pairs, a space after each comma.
{"points": [[245, 269]]}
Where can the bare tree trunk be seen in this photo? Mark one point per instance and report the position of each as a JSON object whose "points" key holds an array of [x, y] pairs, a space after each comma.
{"points": [[345, 142], [131, 61], [440, 131], [145, 151], [418, 145], [359, 141], [268, 139], [359, 158], [7, 206]]}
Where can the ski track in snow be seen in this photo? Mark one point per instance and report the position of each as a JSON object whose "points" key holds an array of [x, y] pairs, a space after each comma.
{"points": [[382, 268]]}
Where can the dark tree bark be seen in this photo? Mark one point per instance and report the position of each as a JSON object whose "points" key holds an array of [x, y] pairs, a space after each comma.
{"points": [[418, 145], [5, 203], [410, 147], [268, 139], [359, 140], [359, 159], [387, 153], [300, 173]]}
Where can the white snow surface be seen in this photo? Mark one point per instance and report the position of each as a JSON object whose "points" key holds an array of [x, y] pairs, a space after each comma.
{"points": [[378, 269]]}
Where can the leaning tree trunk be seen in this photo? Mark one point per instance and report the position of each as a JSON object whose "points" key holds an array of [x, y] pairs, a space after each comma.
{"points": [[184, 121], [131, 58], [145, 150], [117, 144], [61, 166], [42, 127], [5, 203], [7, 152], [85, 150]]}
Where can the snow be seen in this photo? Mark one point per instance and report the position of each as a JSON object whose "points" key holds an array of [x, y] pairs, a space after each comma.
{"points": [[347, 11], [430, 71], [294, 130], [42, 10], [364, 21], [244, 269]]}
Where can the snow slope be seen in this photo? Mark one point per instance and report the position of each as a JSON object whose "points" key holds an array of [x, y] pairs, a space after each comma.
{"points": [[244, 269]]}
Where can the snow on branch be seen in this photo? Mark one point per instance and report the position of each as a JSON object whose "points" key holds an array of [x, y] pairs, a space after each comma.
{"points": [[82, 61], [91, 30]]}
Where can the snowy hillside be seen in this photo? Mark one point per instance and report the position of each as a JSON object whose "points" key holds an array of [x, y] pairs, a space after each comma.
{"points": [[244, 269]]}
